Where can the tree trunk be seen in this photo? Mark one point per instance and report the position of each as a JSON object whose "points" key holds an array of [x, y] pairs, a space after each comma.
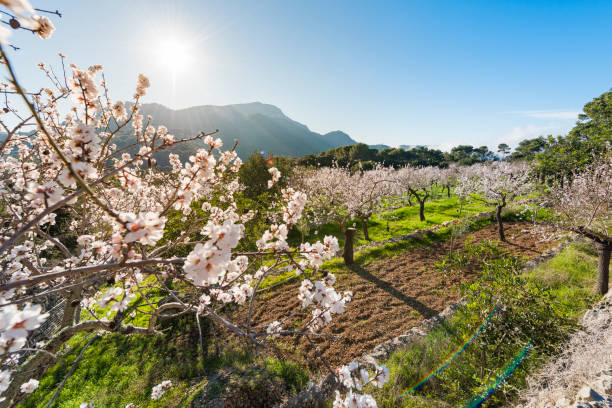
{"points": [[348, 246], [364, 225], [422, 210], [603, 270], [500, 224], [342, 226], [72, 303], [448, 190]]}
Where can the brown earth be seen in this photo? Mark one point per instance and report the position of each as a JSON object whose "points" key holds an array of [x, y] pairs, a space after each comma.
{"points": [[390, 296]]}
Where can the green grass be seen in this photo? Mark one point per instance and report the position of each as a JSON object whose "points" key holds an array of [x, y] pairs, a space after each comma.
{"points": [[406, 221], [116, 370], [570, 278]]}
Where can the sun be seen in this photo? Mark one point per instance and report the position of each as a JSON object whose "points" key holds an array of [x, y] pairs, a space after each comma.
{"points": [[175, 55]]}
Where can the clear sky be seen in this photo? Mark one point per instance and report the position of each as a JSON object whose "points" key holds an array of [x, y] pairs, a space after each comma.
{"points": [[406, 72]]}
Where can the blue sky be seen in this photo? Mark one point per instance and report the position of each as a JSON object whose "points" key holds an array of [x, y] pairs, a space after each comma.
{"points": [[428, 72]]}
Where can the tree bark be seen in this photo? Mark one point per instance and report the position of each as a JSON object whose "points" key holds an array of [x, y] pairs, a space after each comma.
{"points": [[603, 269], [364, 225], [422, 210], [348, 246], [72, 303], [500, 224]]}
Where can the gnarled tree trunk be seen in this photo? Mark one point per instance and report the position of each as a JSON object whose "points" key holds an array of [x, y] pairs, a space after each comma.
{"points": [[603, 269], [364, 225], [500, 224], [422, 210]]}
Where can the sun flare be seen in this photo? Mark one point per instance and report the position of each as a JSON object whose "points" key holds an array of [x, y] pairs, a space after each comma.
{"points": [[175, 55]]}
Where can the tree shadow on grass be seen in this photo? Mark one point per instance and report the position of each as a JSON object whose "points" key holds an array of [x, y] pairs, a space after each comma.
{"points": [[425, 311]]}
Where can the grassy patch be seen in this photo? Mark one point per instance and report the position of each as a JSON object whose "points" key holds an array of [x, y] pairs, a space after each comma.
{"points": [[116, 370], [401, 221], [571, 277]]}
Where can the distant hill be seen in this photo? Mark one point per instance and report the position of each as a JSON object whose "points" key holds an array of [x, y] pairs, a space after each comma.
{"points": [[257, 126], [408, 147], [379, 146]]}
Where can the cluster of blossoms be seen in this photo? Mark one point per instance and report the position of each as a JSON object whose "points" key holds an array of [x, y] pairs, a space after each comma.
{"points": [[160, 389], [276, 175], [318, 252], [30, 386], [25, 17], [15, 324], [354, 378], [14, 327], [323, 294]]}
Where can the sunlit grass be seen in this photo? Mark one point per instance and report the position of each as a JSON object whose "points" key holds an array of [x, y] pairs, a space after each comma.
{"points": [[401, 221], [116, 369]]}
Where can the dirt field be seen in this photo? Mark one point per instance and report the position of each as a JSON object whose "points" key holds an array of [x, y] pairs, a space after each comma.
{"points": [[390, 296]]}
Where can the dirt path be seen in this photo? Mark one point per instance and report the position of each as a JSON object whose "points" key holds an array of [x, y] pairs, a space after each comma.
{"points": [[390, 296]]}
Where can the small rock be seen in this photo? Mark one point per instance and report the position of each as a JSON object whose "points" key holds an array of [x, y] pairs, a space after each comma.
{"points": [[562, 403], [586, 393], [603, 385]]}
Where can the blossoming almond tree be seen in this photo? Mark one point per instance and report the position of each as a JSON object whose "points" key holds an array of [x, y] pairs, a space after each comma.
{"points": [[326, 187], [447, 177], [337, 194], [496, 184], [418, 182], [53, 160], [366, 191], [584, 206]]}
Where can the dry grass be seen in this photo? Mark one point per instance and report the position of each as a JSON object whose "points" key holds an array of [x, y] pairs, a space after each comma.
{"points": [[587, 354]]}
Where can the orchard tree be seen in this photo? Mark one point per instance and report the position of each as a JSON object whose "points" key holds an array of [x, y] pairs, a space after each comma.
{"points": [[337, 195], [119, 205], [447, 177], [418, 182], [366, 192], [327, 189], [584, 206], [496, 185]]}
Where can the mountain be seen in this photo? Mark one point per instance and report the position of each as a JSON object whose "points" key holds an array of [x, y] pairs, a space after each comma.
{"points": [[257, 126]]}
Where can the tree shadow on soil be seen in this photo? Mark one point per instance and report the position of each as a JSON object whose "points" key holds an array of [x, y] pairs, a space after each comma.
{"points": [[425, 311], [524, 248]]}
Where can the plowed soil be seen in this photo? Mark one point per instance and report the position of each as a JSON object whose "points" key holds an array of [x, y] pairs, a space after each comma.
{"points": [[390, 296]]}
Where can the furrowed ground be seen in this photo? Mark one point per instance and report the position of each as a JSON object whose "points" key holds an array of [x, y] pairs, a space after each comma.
{"points": [[391, 295]]}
